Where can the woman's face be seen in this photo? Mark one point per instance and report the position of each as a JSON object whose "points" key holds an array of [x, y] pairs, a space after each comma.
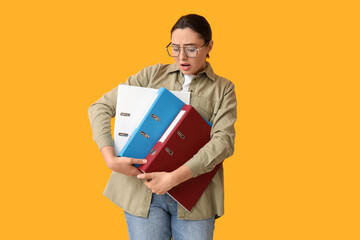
{"points": [[188, 38]]}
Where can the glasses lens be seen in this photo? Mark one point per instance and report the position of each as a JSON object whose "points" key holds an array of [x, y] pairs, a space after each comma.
{"points": [[191, 51], [173, 51]]}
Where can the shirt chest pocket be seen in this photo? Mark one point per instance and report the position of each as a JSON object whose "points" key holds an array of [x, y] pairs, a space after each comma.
{"points": [[206, 107]]}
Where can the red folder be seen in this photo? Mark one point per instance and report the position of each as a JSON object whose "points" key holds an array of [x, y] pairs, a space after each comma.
{"points": [[181, 141]]}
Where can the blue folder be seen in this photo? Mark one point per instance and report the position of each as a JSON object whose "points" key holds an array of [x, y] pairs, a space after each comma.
{"points": [[158, 118]]}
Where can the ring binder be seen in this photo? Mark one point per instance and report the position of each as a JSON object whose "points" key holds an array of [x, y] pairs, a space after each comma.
{"points": [[133, 103], [165, 106], [186, 135]]}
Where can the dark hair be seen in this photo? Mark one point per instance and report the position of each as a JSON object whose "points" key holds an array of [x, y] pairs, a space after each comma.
{"points": [[196, 23]]}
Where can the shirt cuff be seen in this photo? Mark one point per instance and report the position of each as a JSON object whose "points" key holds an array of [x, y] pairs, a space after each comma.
{"points": [[195, 166]]}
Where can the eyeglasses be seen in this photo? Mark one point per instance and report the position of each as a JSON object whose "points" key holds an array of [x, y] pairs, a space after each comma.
{"points": [[190, 52]]}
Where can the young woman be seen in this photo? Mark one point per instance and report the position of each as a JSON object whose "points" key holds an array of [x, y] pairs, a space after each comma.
{"points": [[150, 213]]}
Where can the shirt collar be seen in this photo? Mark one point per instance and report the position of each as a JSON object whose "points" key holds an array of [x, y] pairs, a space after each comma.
{"points": [[208, 70]]}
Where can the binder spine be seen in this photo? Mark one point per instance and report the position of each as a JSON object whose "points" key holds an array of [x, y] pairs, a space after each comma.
{"points": [[156, 120], [151, 157], [160, 147]]}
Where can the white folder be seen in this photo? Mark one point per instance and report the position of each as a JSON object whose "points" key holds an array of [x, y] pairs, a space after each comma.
{"points": [[132, 104]]}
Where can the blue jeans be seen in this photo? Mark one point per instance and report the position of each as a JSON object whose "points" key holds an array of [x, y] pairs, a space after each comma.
{"points": [[162, 223]]}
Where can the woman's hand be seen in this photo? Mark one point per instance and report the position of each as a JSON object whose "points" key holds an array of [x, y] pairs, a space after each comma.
{"points": [[122, 165], [125, 165], [162, 182], [158, 182]]}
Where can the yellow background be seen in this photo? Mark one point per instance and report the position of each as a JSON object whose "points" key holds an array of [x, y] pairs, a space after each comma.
{"points": [[295, 64]]}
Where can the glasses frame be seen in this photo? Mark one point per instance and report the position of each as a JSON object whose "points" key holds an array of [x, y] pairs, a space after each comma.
{"points": [[197, 50]]}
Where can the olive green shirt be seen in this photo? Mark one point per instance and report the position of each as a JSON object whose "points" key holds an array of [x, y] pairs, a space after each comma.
{"points": [[214, 98]]}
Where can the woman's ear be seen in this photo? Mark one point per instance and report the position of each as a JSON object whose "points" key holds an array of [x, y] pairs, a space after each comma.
{"points": [[209, 48], [211, 43]]}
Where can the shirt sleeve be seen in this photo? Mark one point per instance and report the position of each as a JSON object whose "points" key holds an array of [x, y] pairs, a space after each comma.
{"points": [[101, 112], [221, 145]]}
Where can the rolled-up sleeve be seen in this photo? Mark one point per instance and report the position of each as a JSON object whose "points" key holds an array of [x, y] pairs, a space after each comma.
{"points": [[221, 145], [100, 114]]}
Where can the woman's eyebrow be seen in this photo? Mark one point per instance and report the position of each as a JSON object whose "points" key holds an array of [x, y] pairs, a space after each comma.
{"points": [[188, 44]]}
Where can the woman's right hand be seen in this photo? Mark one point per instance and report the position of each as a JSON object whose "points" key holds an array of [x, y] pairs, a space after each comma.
{"points": [[122, 165]]}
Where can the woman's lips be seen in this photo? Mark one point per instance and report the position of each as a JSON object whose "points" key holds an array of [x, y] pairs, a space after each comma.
{"points": [[185, 66]]}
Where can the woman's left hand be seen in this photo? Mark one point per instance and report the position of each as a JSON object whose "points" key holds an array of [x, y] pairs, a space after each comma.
{"points": [[158, 182]]}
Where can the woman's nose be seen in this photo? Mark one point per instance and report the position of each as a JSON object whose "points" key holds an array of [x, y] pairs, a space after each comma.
{"points": [[182, 54]]}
